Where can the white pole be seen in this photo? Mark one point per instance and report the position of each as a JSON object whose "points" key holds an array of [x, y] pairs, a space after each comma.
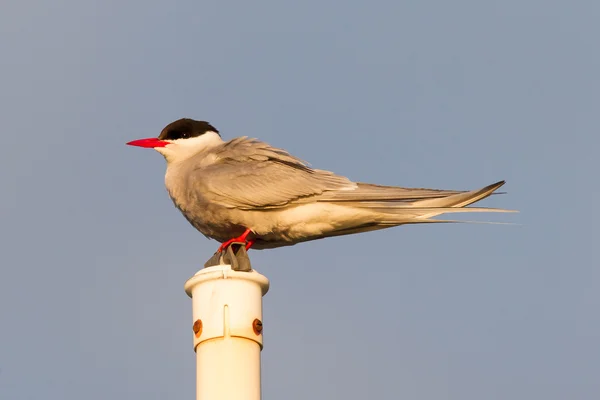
{"points": [[227, 312]]}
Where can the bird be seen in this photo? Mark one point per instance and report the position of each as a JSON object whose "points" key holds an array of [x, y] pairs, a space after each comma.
{"points": [[247, 191]]}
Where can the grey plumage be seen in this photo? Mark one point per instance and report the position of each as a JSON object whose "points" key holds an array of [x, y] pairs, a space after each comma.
{"points": [[222, 188]]}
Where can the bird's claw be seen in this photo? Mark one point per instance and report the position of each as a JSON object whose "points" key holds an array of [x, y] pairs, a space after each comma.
{"points": [[235, 255]]}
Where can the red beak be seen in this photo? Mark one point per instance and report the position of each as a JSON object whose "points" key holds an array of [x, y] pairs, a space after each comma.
{"points": [[148, 143]]}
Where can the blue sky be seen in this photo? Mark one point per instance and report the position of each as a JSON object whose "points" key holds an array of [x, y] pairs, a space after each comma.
{"points": [[452, 95]]}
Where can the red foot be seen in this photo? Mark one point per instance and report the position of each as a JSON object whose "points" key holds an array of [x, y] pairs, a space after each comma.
{"points": [[241, 238]]}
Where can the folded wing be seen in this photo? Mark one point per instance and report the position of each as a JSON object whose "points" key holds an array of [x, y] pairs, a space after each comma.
{"points": [[251, 175]]}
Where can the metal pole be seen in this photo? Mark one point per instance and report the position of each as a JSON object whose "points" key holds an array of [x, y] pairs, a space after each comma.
{"points": [[227, 314]]}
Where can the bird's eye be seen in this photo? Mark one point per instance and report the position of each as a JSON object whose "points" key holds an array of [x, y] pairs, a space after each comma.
{"points": [[179, 135]]}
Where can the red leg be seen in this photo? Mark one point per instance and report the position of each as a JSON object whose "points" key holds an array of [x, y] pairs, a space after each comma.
{"points": [[241, 238], [249, 244]]}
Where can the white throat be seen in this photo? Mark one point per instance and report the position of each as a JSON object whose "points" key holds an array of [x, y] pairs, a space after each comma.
{"points": [[182, 149]]}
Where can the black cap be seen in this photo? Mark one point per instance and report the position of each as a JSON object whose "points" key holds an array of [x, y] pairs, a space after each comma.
{"points": [[186, 128]]}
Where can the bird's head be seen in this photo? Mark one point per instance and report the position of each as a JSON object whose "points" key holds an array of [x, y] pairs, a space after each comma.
{"points": [[182, 139]]}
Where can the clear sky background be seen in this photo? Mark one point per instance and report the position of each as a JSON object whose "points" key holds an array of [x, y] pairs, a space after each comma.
{"points": [[444, 94]]}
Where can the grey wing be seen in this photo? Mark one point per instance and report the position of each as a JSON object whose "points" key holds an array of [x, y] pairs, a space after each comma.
{"points": [[370, 194], [251, 175]]}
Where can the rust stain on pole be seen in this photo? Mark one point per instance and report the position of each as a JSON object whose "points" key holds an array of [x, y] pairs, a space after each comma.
{"points": [[257, 326], [197, 328]]}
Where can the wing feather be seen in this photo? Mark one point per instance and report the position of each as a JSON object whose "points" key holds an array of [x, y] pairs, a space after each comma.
{"points": [[248, 174], [251, 175]]}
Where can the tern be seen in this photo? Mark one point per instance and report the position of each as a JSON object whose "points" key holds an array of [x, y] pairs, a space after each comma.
{"points": [[244, 190]]}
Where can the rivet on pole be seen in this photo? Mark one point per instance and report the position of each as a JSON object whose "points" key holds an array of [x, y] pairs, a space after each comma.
{"points": [[197, 328], [257, 326]]}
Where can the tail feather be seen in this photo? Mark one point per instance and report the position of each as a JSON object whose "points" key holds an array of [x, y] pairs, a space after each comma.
{"points": [[382, 210], [418, 214], [461, 199], [391, 213]]}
